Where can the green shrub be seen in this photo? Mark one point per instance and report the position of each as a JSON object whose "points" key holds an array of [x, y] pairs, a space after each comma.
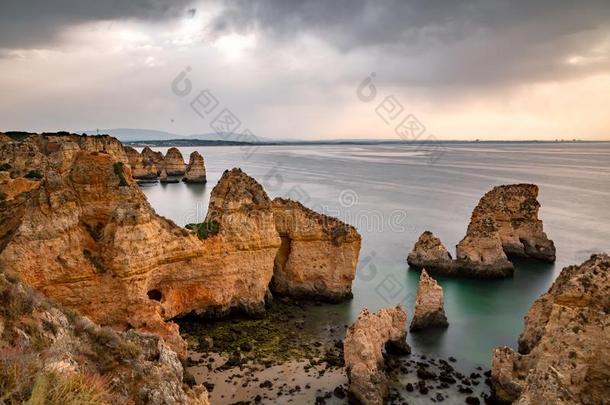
{"points": [[33, 174], [5, 167], [118, 170], [205, 229]]}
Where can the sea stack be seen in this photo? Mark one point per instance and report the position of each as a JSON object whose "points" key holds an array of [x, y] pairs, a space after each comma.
{"points": [[164, 178], [564, 349], [153, 158], [174, 163], [195, 170], [480, 253], [504, 224], [514, 208], [363, 351], [318, 255], [141, 168], [430, 253], [429, 307]]}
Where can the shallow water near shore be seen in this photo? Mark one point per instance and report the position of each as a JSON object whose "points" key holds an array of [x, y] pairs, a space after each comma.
{"points": [[392, 193]]}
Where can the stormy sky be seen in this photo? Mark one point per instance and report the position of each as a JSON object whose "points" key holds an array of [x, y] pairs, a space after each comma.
{"points": [[487, 69]]}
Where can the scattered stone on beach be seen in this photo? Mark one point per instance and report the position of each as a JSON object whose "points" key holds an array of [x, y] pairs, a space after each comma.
{"points": [[429, 309], [363, 351]]}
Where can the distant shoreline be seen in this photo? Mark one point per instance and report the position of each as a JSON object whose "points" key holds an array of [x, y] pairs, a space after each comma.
{"points": [[206, 142]]}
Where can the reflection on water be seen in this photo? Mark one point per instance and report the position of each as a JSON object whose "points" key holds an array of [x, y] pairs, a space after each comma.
{"points": [[397, 179]]}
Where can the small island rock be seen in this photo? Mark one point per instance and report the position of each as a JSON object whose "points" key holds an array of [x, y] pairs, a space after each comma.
{"points": [[195, 170], [429, 309]]}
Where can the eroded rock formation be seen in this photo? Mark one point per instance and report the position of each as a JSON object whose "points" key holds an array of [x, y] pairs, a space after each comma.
{"points": [[195, 170], [430, 253], [429, 307], [504, 224], [85, 235], [51, 349], [363, 351], [318, 255], [480, 253], [141, 167], [173, 162], [564, 350], [514, 208]]}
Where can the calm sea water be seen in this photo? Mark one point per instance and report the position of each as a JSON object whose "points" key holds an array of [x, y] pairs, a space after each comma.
{"points": [[393, 193]]}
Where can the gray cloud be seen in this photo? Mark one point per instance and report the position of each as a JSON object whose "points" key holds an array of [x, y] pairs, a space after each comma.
{"points": [[422, 42], [37, 23]]}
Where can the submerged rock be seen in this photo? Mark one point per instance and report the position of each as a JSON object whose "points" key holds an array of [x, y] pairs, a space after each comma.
{"points": [[429, 309], [430, 253], [564, 350], [363, 351], [318, 254], [173, 162], [195, 170]]}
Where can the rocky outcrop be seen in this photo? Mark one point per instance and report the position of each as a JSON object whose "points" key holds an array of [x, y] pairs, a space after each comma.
{"points": [[86, 236], [173, 163], [430, 253], [514, 208], [141, 168], [504, 224], [195, 170], [318, 254], [51, 355], [429, 308], [154, 158], [363, 351], [480, 253], [564, 350]]}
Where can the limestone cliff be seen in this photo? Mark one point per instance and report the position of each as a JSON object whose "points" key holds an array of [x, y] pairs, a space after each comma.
{"points": [[318, 254], [86, 236], [429, 307], [52, 355], [173, 162], [195, 170], [363, 351], [564, 350]]}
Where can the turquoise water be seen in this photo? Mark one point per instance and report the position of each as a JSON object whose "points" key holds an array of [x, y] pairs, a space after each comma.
{"points": [[392, 194]]}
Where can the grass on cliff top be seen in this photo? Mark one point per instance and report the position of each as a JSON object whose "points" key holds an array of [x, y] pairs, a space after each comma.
{"points": [[205, 229]]}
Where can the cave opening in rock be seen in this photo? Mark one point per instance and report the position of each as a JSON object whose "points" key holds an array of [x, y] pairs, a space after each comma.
{"points": [[155, 295]]}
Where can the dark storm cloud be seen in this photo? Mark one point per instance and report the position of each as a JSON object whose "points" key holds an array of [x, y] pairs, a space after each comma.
{"points": [[426, 42], [36, 23]]}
